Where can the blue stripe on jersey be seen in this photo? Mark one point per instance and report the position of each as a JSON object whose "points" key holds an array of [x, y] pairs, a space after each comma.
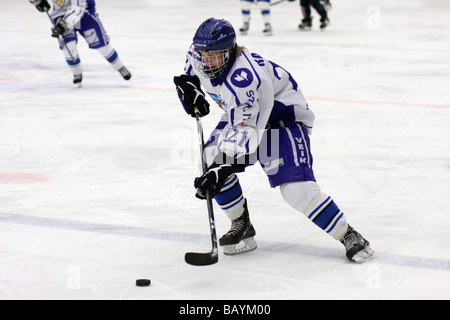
{"points": [[223, 76], [189, 70], [233, 92], [90, 6], [291, 79], [69, 15], [256, 73]]}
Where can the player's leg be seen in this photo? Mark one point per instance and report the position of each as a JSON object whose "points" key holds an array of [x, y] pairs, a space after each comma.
{"points": [[72, 57], [95, 35], [306, 197], [240, 236], [319, 7], [299, 189], [264, 6], [245, 11], [306, 22], [110, 54], [320, 208]]}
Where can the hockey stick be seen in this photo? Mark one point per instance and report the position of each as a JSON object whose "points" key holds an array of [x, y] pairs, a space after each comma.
{"points": [[60, 37], [277, 2], [204, 259]]}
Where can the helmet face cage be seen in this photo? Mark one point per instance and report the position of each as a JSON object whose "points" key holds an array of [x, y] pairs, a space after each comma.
{"points": [[212, 43], [211, 63]]}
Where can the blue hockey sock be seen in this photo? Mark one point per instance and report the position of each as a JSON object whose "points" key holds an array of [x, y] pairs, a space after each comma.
{"points": [[231, 199], [326, 215]]}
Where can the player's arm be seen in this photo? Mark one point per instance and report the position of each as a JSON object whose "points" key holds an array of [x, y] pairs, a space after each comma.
{"points": [[247, 120], [238, 141], [41, 5], [191, 95], [74, 13], [72, 16], [217, 174], [189, 90]]}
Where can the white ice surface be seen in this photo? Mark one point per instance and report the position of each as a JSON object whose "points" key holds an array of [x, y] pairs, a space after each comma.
{"points": [[96, 184]]}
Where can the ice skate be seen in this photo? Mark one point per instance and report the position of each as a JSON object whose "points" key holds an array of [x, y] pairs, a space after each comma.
{"points": [[267, 29], [306, 24], [77, 78], [324, 22], [357, 248], [244, 29], [240, 237], [125, 73]]}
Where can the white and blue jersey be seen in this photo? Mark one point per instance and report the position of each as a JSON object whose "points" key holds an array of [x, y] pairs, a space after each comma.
{"points": [[81, 17], [71, 10], [267, 120], [266, 116]]}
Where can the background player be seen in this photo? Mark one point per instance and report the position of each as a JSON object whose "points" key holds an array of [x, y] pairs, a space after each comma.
{"points": [[264, 6], [266, 120], [72, 17], [306, 5]]}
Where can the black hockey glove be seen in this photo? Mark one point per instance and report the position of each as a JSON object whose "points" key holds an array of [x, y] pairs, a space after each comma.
{"points": [[59, 28], [191, 95], [41, 5], [214, 179]]}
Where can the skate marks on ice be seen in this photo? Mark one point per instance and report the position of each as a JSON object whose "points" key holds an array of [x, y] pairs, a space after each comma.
{"points": [[186, 237]]}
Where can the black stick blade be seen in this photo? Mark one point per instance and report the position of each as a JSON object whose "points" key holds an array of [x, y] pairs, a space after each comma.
{"points": [[201, 259]]}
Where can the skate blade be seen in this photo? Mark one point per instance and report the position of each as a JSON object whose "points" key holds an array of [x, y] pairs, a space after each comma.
{"points": [[245, 245], [364, 255]]}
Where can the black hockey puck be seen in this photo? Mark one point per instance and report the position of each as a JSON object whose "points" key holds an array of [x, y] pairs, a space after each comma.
{"points": [[143, 282]]}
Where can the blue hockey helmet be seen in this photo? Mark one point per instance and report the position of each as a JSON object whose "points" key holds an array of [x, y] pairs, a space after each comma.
{"points": [[214, 34], [214, 44]]}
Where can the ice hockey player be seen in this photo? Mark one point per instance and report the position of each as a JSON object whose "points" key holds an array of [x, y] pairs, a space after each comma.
{"points": [[327, 4], [72, 17], [306, 5], [264, 6], [267, 120]]}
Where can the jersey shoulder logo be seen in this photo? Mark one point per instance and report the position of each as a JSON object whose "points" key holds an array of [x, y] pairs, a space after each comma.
{"points": [[217, 99], [60, 3], [242, 78]]}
